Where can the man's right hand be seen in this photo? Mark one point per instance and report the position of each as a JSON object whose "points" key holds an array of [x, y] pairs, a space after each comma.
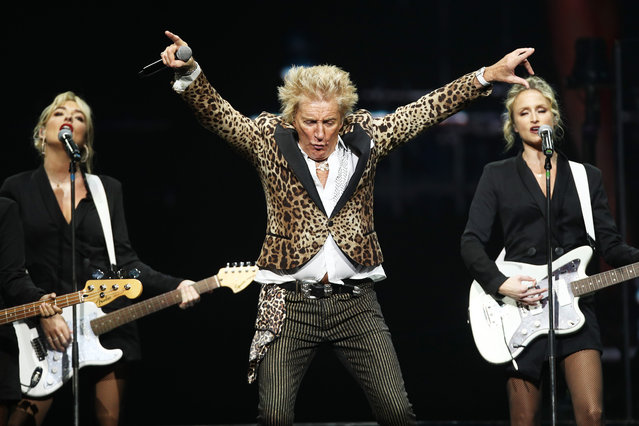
{"points": [[169, 59]]}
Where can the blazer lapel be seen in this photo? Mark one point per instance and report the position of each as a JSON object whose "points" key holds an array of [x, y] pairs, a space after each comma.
{"points": [[564, 176], [357, 140], [558, 192], [51, 202], [360, 142], [48, 197], [531, 184], [287, 142]]}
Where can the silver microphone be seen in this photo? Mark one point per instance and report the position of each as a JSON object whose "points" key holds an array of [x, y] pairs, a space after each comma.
{"points": [[547, 145], [183, 54], [65, 135]]}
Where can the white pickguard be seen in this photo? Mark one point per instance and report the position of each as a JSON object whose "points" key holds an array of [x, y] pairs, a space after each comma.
{"points": [[49, 369], [502, 330]]}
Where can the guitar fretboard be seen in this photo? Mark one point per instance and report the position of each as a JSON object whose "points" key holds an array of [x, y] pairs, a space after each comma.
{"points": [[605, 279], [122, 316], [32, 309]]}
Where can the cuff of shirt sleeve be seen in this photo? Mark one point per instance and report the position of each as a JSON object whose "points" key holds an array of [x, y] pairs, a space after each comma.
{"points": [[182, 81]]}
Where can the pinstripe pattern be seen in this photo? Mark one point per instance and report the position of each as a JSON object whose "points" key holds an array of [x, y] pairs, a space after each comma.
{"points": [[357, 331]]}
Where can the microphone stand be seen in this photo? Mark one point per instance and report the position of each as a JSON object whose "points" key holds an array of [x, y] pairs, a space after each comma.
{"points": [[74, 281], [551, 295]]}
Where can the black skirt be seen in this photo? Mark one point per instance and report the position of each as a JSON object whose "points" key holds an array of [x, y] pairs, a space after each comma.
{"points": [[534, 359]]}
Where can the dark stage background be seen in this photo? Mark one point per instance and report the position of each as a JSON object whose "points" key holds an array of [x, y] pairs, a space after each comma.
{"points": [[193, 205]]}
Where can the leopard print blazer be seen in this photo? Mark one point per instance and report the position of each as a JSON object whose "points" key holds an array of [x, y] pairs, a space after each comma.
{"points": [[297, 225]]}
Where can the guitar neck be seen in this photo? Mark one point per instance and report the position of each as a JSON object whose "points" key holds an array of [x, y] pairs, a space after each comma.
{"points": [[122, 316], [32, 309], [596, 282]]}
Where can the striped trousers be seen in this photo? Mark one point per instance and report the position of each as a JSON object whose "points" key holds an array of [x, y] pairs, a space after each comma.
{"points": [[356, 330]]}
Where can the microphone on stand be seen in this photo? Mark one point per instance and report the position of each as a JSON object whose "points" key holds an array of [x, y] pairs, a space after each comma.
{"points": [[65, 135], [547, 145], [183, 54]]}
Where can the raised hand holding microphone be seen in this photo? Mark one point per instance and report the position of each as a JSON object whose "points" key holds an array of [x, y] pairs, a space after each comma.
{"points": [[172, 60], [65, 135], [183, 53]]}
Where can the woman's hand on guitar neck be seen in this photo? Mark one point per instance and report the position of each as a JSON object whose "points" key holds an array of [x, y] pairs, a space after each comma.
{"points": [[189, 295]]}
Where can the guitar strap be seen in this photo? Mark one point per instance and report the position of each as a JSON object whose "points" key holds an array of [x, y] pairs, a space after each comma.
{"points": [[581, 182], [101, 205]]}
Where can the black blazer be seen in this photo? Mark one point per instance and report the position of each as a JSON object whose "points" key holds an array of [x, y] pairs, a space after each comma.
{"points": [[48, 245], [508, 200]]}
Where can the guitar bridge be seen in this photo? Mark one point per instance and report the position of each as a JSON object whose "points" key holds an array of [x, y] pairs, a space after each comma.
{"points": [[39, 348]]}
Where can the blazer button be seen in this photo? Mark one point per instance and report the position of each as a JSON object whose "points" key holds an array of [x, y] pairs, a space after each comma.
{"points": [[559, 251], [330, 223], [531, 251]]}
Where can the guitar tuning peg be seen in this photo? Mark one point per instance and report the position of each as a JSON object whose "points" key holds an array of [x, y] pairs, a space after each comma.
{"points": [[134, 273], [228, 265], [235, 264], [241, 264], [98, 274]]}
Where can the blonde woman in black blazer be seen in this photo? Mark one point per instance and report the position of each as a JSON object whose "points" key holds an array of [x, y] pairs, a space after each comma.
{"points": [[43, 198], [510, 200]]}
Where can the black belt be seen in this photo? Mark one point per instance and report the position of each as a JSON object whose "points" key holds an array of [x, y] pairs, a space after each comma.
{"points": [[318, 290]]}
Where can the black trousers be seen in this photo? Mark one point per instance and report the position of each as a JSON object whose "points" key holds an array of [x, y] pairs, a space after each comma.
{"points": [[355, 327]]}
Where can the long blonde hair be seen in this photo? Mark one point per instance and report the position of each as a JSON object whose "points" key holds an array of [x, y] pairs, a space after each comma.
{"points": [[86, 150]]}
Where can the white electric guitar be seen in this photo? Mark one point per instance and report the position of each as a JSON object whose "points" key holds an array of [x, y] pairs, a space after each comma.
{"points": [[44, 370], [36, 357], [502, 330]]}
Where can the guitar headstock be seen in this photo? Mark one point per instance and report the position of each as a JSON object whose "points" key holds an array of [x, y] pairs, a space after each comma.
{"points": [[237, 276], [102, 292]]}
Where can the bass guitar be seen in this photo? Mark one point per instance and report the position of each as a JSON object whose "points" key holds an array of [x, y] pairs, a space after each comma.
{"points": [[503, 329], [99, 292], [36, 358], [43, 371]]}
